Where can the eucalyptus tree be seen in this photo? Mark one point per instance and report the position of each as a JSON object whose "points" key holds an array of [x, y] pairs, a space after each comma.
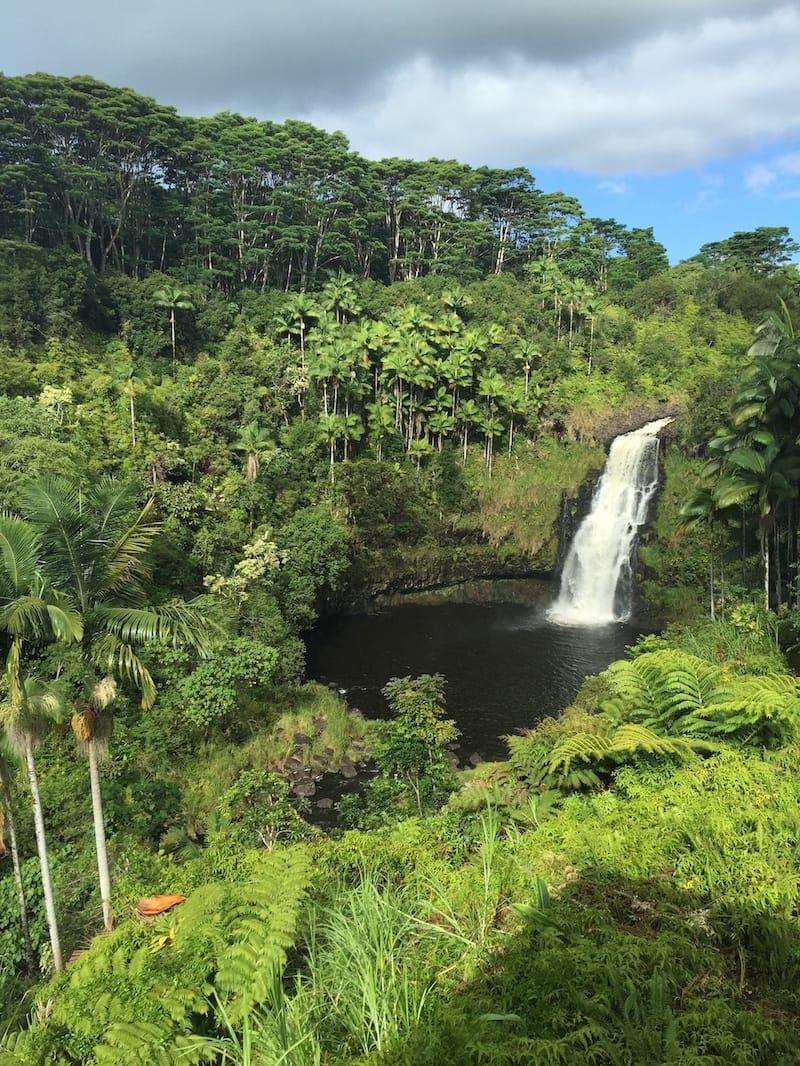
{"points": [[93, 548], [761, 251]]}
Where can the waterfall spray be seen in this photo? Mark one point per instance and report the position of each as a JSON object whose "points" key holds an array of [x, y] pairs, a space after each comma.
{"points": [[597, 580]]}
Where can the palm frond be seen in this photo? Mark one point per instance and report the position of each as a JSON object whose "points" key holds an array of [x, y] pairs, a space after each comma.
{"points": [[26, 617], [65, 619], [116, 656], [53, 506], [180, 624], [19, 554], [126, 560]]}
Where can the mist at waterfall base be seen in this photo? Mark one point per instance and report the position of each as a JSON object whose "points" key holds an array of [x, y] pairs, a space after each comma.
{"points": [[510, 655]]}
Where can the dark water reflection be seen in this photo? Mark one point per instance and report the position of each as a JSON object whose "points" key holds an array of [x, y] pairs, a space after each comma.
{"points": [[506, 665]]}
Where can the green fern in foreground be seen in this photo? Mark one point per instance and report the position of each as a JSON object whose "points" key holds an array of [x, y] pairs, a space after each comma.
{"points": [[163, 994], [666, 704]]}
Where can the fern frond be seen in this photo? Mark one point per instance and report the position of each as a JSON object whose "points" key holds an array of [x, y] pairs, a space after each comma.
{"points": [[582, 747]]}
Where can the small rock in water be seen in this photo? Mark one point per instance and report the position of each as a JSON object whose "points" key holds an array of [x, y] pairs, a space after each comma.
{"points": [[304, 788], [324, 804], [475, 759], [347, 769]]}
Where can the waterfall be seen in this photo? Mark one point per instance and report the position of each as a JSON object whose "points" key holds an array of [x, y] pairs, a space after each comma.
{"points": [[597, 580]]}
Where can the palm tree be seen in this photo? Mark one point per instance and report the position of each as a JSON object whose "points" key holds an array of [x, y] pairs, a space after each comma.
{"points": [[760, 469], [7, 818], [469, 414], [339, 296], [31, 613], [380, 419], [94, 550], [25, 722], [174, 299], [332, 429], [294, 320], [456, 299], [700, 509], [253, 440], [126, 379]]}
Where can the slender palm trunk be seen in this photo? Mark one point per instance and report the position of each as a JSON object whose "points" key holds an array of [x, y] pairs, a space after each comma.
{"points": [[41, 845], [172, 331], [765, 557], [100, 835], [133, 421], [5, 790]]}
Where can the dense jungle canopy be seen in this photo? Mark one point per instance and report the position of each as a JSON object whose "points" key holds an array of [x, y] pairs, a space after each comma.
{"points": [[247, 378]]}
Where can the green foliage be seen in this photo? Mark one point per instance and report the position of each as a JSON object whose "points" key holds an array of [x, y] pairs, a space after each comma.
{"points": [[620, 900], [363, 967], [145, 995], [258, 808], [210, 695]]}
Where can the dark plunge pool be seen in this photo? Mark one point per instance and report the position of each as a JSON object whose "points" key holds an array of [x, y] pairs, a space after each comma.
{"points": [[506, 665]]}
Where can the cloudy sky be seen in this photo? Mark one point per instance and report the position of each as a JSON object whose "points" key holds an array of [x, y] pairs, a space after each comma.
{"points": [[680, 114]]}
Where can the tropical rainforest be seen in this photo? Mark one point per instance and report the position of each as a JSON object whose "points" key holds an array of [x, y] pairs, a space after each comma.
{"points": [[249, 379]]}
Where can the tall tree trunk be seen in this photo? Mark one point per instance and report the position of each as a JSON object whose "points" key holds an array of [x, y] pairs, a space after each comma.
{"points": [[5, 790], [172, 332], [765, 557], [133, 420], [778, 571], [41, 845], [100, 835]]}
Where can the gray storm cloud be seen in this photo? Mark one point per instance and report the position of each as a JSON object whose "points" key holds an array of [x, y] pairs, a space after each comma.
{"points": [[604, 86]]}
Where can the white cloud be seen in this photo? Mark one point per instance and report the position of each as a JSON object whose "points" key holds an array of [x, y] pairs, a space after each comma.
{"points": [[673, 101], [777, 176], [607, 86], [789, 163], [616, 188], [759, 178]]}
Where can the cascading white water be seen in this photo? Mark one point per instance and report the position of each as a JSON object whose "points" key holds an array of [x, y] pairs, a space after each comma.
{"points": [[596, 583]]}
